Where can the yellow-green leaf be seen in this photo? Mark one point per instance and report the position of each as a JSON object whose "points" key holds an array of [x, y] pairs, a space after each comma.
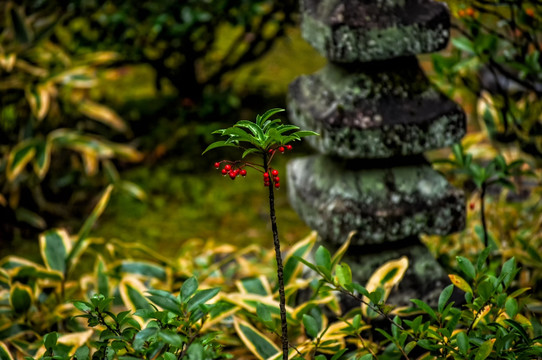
{"points": [[292, 266], [30, 217], [21, 155], [103, 114], [20, 298], [337, 257], [4, 352], [255, 341], [55, 246], [460, 283], [485, 349]]}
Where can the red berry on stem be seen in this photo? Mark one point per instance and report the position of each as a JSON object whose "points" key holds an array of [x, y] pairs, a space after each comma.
{"points": [[289, 147], [217, 165], [281, 149], [266, 183], [277, 185], [227, 167], [276, 179], [232, 175], [224, 171], [274, 172], [243, 172], [271, 151], [266, 175]]}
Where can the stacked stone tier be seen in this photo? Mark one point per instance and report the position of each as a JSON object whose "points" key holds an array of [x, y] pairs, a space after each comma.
{"points": [[358, 30], [374, 110]]}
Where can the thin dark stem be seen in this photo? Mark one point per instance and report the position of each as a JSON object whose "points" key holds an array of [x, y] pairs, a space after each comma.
{"points": [[280, 275], [483, 218]]}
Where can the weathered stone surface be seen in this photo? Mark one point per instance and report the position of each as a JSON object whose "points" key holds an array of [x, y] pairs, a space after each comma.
{"points": [[374, 110], [383, 202], [354, 30]]}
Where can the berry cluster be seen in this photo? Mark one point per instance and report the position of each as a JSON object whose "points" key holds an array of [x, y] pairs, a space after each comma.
{"points": [[468, 12], [281, 148], [229, 170], [267, 179]]}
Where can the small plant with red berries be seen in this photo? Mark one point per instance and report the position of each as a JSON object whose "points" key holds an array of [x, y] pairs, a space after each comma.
{"points": [[262, 138]]}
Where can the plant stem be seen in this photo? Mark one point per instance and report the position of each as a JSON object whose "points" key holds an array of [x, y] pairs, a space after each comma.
{"points": [[483, 218], [280, 270]]}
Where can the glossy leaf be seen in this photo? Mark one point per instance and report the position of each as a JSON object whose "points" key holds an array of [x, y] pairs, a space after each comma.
{"points": [[444, 297], [20, 298], [201, 297], [42, 158], [485, 349], [132, 294], [459, 282], [311, 326], [19, 157], [292, 266]]}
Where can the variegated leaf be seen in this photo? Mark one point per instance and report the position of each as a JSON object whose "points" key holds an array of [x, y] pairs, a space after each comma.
{"points": [[292, 266], [42, 158], [4, 352], [55, 245], [39, 100], [254, 340], [19, 157], [20, 298], [103, 114], [132, 292]]}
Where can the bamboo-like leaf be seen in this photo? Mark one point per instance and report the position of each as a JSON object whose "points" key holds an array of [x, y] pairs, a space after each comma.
{"points": [[101, 277], [55, 246], [249, 151], [218, 144], [133, 189], [285, 128], [20, 298], [221, 310], [292, 266], [132, 293], [103, 114], [258, 286], [19, 157], [337, 257], [201, 297], [266, 115], [4, 352], [30, 217], [386, 276], [255, 341], [85, 229], [141, 268], [165, 300], [42, 158], [39, 100]]}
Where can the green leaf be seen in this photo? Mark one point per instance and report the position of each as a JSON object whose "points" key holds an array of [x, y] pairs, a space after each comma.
{"points": [[83, 306], [254, 129], [304, 133], [323, 258], [23, 33], [165, 300], [466, 266], [463, 342], [249, 151], [132, 296], [42, 158], [54, 247], [464, 44], [171, 338], [511, 306], [49, 340], [188, 288], [254, 286], [508, 271], [255, 341], [366, 357], [82, 353], [422, 305], [266, 115], [484, 350], [344, 274], [444, 297], [201, 297], [517, 326], [263, 313], [311, 326], [20, 298], [218, 144]]}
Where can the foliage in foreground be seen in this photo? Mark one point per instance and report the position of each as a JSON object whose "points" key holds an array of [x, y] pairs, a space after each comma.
{"points": [[152, 306]]}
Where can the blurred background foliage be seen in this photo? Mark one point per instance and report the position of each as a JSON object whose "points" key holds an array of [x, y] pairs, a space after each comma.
{"points": [[97, 92]]}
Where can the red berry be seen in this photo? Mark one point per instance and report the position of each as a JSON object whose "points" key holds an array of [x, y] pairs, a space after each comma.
{"points": [[224, 171], [277, 185], [289, 147], [274, 172], [232, 175], [266, 175], [271, 151], [217, 165], [243, 172], [227, 167], [281, 149], [236, 171], [276, 179], [266, 183], [471, 205]]}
